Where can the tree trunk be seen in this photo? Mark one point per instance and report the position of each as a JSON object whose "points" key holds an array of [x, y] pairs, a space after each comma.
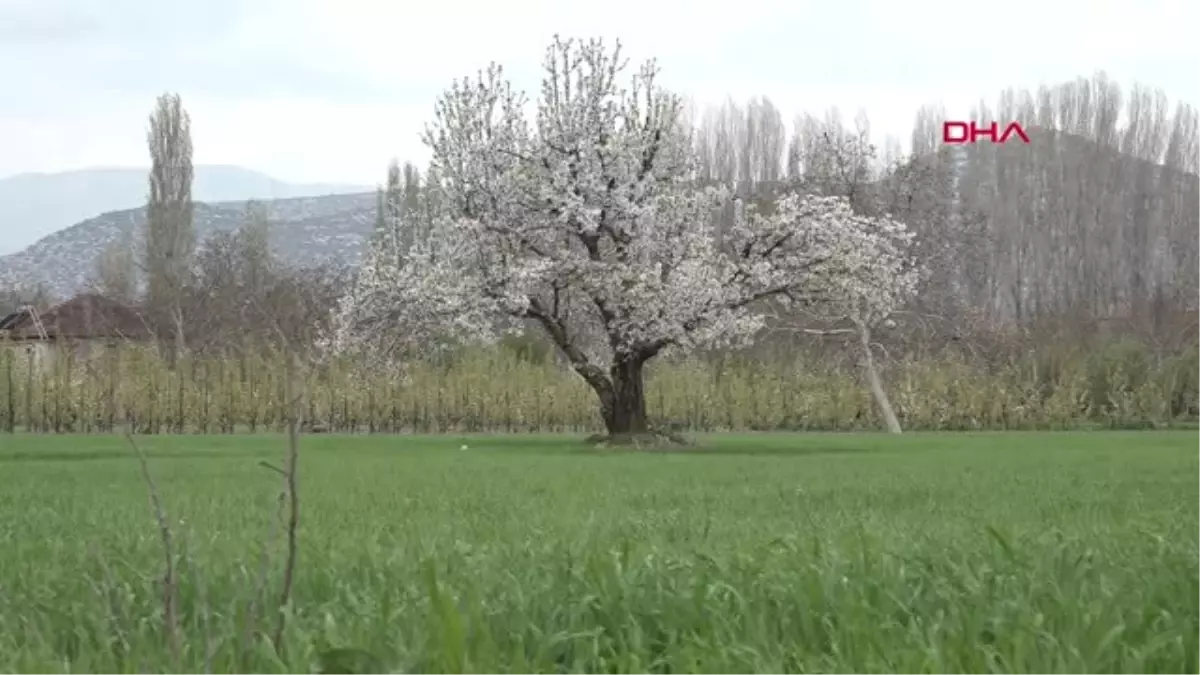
{"points": [[874, 381], [624, 407], [180, 342]]}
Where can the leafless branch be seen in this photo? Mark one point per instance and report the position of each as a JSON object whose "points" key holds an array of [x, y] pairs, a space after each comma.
{"points": [[170, 618], [293, 455], [294, 396], [833, 331]]}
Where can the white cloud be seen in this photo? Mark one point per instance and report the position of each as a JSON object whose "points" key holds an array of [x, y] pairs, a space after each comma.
{"points": [[317, 90]]}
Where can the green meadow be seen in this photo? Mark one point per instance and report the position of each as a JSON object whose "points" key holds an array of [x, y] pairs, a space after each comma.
{"points": [[946, 552]]}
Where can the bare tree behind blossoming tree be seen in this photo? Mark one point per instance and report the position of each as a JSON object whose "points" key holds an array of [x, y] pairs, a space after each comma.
{"points": [[586, 221]]}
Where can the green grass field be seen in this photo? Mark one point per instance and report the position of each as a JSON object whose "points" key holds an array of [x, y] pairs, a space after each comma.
{"points": [[757, 553]]}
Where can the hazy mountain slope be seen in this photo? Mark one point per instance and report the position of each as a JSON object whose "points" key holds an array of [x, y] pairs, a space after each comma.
{"points": [[319, 228], [304, 229], [33, 205]]}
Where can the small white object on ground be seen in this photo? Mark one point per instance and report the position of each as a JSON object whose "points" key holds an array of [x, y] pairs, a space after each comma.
{"points": [[463, 448]]}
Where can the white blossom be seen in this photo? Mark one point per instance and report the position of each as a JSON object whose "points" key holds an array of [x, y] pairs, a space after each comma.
{"points": [[586, 222]]}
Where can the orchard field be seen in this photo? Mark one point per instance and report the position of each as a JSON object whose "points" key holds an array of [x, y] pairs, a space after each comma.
{"points": [[946, 552]]}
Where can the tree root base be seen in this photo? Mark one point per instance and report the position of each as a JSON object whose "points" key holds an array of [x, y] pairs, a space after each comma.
{"points": [[647, 440]]}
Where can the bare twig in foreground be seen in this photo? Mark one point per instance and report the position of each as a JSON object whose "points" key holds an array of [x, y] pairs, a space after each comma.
{"points": [[170, 617], [289, 477], [258, 593]]}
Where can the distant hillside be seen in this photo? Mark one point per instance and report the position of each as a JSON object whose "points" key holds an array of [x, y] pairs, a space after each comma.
{"points": [[303, 229], [33, 205], [314, 229]]}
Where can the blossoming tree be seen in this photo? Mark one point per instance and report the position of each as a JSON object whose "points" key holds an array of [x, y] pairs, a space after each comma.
{"points": [[584, 221]]}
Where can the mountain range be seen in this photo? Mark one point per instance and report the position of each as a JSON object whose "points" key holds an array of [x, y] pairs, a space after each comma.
{"points": [[34, 205], [330, 223], [52, 226], [303, 230]]}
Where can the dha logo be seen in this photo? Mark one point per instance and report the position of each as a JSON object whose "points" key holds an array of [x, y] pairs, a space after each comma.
{"points": [[962, 133]]}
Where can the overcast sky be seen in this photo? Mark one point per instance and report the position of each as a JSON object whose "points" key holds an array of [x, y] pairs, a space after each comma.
{"points": [[329, 90]]}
